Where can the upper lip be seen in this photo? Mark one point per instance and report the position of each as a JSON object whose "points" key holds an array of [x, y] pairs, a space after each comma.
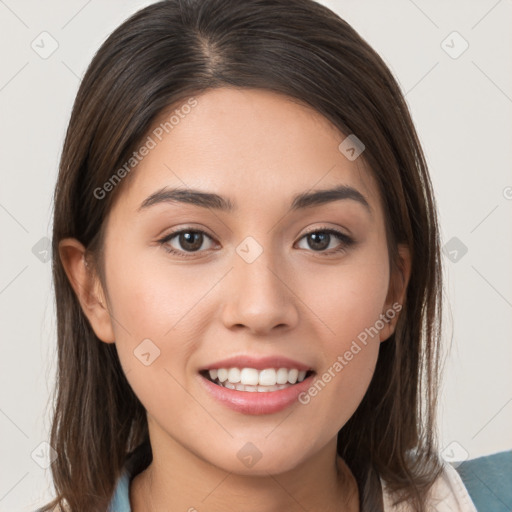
{"points": [[260, 363]]}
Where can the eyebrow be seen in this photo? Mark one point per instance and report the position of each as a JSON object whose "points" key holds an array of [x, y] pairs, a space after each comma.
{"points": [[210, 200]]}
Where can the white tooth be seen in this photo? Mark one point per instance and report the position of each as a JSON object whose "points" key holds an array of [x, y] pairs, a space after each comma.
{"points": [[253, 389], [249, 376], [282, 376], [234, 375], [267, 388], [292, 376], [222, 374], [251, 380], [267, 377]]}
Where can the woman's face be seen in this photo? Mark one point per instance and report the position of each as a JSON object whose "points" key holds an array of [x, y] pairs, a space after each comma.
{"points": [[255, 288]]}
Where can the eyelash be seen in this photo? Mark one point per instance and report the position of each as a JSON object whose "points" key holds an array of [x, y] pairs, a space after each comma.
{"points": [[346, 240]]}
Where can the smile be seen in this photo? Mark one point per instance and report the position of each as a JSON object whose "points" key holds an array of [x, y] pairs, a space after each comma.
{"points": [[253, 380]]}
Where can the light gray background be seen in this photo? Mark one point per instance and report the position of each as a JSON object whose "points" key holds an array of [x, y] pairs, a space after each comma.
{"points": [[462, 110]]}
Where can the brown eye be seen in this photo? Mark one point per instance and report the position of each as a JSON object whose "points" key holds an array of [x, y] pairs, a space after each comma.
{"points": [[320, 240], [190, 240], [184, 241]]}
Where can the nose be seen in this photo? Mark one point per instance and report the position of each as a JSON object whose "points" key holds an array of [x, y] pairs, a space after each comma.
{"points": [[259, 296]]}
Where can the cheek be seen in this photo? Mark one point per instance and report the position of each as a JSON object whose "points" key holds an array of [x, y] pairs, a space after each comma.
{"points": [[350, 305], [153, 299], [156, 331], [155, 318], [347, 299], [349, 360], [339, 387]]}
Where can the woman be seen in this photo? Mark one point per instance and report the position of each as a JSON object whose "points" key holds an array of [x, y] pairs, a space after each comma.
{"points": [[247, 272]]}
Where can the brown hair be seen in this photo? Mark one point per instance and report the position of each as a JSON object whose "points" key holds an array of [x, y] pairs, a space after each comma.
{"points": [[162, 55]]}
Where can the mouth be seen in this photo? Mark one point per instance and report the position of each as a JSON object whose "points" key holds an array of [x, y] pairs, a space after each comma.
{"points": [[253, 380]]}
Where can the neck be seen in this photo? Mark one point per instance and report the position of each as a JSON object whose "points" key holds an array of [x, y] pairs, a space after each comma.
{"points": [[177, 480]]}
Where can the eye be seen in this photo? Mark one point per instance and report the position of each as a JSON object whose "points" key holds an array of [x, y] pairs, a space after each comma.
{"points": [[321, 239], [188, 240]]}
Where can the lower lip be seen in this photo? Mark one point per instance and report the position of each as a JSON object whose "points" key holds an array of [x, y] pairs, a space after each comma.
{"points": [[256, 402]]}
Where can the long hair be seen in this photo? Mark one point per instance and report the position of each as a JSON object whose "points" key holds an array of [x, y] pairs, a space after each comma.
{"points": [[158, 59]]}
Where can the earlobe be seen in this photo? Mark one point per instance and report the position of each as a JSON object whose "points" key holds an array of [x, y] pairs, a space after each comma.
{"points": [[397, 292], [87, 288]]}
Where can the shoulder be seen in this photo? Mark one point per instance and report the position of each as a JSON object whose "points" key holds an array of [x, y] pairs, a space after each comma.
{"points": [[488, 480], [447, 494], [121, 498], [120, 501]]}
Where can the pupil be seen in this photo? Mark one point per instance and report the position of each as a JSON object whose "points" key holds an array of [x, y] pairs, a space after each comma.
{"points": [[318, 240]]}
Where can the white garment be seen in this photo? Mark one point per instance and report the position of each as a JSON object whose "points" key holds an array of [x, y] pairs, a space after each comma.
{"points": [[447, 494]]}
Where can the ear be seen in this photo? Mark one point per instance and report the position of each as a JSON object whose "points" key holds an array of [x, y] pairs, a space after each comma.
{"points": [[397, 291], [87, 286]]}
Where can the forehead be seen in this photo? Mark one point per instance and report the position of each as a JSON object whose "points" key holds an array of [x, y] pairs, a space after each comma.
{"points": [[252, 145]]}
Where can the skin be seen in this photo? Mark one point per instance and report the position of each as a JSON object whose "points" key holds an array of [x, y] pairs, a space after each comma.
{"points": [[259, 149]]}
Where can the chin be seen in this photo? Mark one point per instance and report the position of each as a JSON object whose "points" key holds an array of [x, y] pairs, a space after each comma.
{"points": [[254, 461]]}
